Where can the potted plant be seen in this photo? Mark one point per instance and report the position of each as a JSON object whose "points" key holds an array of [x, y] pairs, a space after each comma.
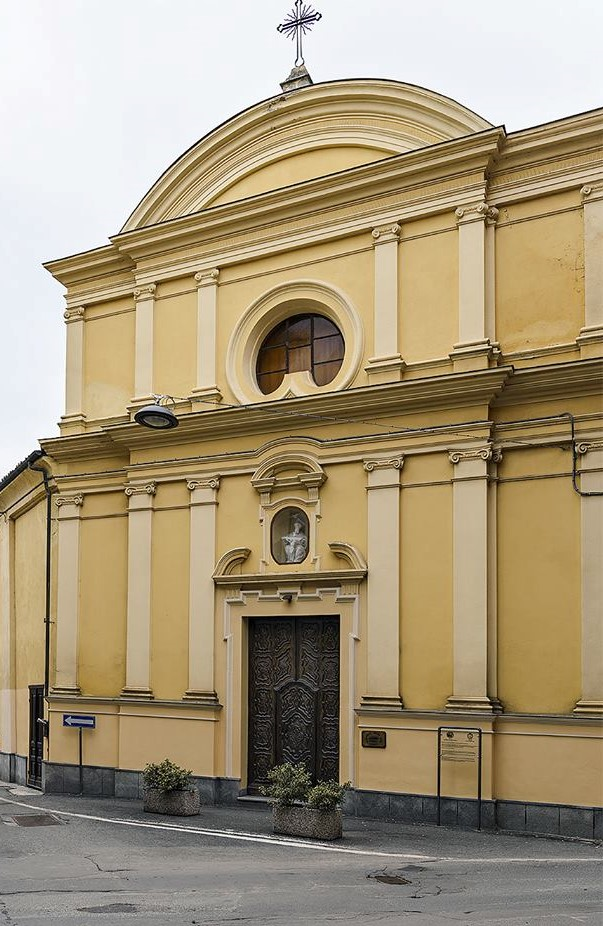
{"points": [[167, 789], [300, 809]]}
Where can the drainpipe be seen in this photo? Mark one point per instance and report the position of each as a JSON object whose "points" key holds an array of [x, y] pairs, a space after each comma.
{"points": [[48, 577]]}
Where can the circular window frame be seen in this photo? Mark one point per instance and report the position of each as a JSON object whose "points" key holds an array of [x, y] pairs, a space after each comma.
{"points": [[273, 307]]}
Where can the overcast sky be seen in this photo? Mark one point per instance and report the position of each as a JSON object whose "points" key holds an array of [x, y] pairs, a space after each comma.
{"points": [[98, 97]]}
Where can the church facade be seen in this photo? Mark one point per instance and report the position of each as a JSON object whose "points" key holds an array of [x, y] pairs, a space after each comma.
{"points": [[373, 542]]}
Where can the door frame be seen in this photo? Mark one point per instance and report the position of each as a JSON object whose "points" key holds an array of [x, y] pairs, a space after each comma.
{"points": [[340, 594]]}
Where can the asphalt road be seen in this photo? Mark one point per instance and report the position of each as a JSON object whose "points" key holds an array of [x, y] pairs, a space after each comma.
{"points": [[106, 862]]}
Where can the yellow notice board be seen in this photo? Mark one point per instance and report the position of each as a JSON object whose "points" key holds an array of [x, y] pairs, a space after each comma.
{"points": [[460, 765]]}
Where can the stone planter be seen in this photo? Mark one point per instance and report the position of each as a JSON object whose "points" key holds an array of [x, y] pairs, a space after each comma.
{"points": [[175, 803], [307, 822]]}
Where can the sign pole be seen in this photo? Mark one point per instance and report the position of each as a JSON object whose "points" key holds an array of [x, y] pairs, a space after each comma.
{"points": [[81, 761]]}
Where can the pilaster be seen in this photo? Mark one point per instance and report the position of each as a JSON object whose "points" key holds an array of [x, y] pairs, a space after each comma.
{"points": [[144, 297], [383, 601], [476, 348], [387, 365], [591, 480], [473, 615], [8, 707], [207, 312], [68, 594], [201, 637], [590, 339], [138, 629], [74, 366]]}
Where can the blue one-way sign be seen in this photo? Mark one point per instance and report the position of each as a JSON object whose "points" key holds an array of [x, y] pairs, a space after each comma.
{"points": [[79, 720]]}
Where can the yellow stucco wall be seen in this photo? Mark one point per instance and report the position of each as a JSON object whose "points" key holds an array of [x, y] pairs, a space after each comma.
{"points": [[539, 275], [169, 590], [426, 583], [428, 299], [109, 361], [539, 623], [299, 167], [175, 326], [103, 594]]}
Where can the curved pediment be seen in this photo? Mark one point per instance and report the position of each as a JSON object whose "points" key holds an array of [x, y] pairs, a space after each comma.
{"points": [[301, 135]]}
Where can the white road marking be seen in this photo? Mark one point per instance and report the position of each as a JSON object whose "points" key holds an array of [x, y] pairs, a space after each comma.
{"points": [[293, 843]]}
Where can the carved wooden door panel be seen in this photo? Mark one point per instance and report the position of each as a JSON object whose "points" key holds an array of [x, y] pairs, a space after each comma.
{"points": [[293, 696]]}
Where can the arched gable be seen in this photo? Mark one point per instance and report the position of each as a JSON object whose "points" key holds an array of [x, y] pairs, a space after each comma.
{"points": [[299, 136]]}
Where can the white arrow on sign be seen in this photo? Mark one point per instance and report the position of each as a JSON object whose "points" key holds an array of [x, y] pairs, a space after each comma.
{"points": [[80, 721]]}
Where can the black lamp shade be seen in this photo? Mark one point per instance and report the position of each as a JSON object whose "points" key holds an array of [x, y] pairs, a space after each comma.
{"points": [[156, 417]]}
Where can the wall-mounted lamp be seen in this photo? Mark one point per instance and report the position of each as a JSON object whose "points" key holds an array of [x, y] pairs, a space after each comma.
{"points": [[286, 596], [157, 416]]}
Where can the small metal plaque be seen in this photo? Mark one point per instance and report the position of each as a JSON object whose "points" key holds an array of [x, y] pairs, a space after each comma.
{"points": [[374, 739], [459, 745]]}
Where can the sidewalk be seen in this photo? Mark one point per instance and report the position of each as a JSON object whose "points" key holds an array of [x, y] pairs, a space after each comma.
{"points": [[254, 818]]}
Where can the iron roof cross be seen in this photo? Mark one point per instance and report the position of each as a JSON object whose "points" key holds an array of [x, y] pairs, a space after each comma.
{"points": [[297, 23]]}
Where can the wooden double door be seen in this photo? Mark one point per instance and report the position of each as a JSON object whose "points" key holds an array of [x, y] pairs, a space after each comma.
{"points": [[293, 696]]}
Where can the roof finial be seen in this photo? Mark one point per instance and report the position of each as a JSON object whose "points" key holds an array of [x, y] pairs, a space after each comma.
{"points": [[299, 21]]}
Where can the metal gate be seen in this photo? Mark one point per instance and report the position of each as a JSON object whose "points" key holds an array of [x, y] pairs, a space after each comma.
{"points": [[36, 736]]}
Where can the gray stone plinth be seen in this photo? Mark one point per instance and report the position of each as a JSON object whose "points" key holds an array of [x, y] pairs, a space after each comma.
{"points": [[307, 822], [174, 803]]}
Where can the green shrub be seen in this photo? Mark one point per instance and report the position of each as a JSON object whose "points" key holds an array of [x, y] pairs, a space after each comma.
{"points": [[288, 783], [327, 795], [166, 776]]}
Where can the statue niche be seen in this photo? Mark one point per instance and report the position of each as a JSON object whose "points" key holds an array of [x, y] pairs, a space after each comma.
{"points": [[289, 536]]}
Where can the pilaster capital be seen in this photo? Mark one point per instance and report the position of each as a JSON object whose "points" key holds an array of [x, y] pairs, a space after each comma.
{"points": [[487, 454], [591, 192], [203, 482], [76, 500], [476, 212], [384, 234], [148, 488], [585, 446], [144, 293], [75, 314], [207, 277], [396, 462]]}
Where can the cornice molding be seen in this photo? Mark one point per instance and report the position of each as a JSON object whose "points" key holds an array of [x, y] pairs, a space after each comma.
{"points": [[553, 381], [290, 580], [399, 175], [454, 390]]}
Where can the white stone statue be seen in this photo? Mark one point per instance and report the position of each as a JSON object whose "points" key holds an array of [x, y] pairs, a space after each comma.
{"points": [[295, 544]]}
